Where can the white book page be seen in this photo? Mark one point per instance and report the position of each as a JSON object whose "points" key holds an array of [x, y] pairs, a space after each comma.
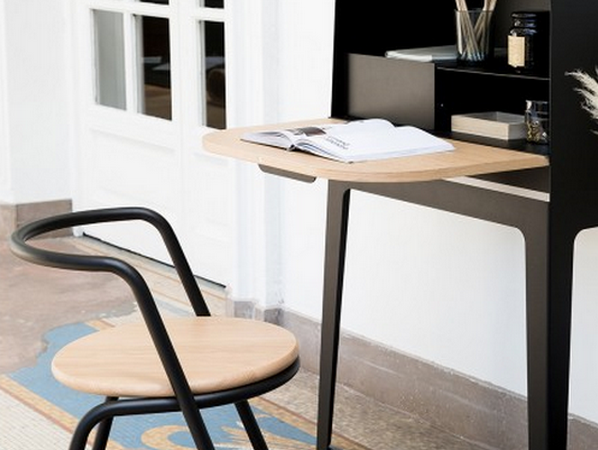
{"points": [[380, 141]]}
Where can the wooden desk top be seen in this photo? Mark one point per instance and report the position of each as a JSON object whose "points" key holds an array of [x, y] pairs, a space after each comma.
{"points": [[466, 160]]}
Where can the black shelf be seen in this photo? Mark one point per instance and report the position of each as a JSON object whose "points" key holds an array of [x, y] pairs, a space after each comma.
{"points": [[520, 145], [496, 67], [495, 87], [428, 94]]}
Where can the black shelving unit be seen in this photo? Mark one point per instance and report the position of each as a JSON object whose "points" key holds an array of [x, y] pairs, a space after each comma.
{"points": [[366, 84]]}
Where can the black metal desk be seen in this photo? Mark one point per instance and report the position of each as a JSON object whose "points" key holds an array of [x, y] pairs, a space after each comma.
{"points": [[426, 180]]}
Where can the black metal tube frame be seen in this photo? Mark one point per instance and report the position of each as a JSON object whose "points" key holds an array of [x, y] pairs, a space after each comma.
{"points": [[103, 413]]}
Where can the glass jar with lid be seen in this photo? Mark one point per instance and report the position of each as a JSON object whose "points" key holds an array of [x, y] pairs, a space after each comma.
{"points": [[528, 42]]}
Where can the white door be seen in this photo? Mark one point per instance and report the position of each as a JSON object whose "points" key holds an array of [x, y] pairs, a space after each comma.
{"points": [[150, 84]]}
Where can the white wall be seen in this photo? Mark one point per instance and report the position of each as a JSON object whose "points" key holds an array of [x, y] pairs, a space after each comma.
{"points": [[584, 345], [4, 140], [35, 110], [442, 287]]}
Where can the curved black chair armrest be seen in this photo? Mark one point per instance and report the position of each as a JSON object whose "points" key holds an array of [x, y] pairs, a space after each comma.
{"points": [[20, 246]]}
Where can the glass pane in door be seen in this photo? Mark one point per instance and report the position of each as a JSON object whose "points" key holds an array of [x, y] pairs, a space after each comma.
{"points": [[154, 54], [215, 79], [109, 59]]}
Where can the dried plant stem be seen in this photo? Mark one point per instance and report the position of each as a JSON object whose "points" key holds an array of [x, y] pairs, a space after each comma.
{"points": [[588, 91]]}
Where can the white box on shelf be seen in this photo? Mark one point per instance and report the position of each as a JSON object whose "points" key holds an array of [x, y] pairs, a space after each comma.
{"points": [[492, 124]]}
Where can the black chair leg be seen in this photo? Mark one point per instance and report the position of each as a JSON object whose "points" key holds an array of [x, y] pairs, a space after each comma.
{"points": [[251, 427], [103, 431], [199, 432], [84, 428]]}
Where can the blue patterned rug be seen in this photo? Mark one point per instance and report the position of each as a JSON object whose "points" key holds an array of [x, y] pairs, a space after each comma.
{"points": [[35, 388]]}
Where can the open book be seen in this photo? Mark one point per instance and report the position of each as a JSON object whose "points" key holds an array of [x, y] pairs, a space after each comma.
{"points": [[359, 140]]}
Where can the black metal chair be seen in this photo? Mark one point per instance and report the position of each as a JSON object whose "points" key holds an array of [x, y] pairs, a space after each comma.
{"points": [[161, 365]]}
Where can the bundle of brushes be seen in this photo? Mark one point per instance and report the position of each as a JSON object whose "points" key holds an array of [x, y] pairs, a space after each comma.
{"points": [[475, 43]]}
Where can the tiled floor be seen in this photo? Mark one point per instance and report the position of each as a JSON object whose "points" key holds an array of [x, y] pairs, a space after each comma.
{"points": [[34, 300]]}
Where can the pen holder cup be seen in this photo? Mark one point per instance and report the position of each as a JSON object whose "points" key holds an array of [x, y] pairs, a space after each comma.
{"points": [[474, 35]]}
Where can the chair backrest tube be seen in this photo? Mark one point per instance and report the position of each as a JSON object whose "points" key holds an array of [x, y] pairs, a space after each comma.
{"points": [[98, 263]]}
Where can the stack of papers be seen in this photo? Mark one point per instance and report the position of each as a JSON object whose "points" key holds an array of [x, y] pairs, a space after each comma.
{"points": [[425, 54]]}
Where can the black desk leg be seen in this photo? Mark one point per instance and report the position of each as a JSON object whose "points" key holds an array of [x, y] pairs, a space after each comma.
{"points": [[549, 272], [336, 238], [536, 262]]}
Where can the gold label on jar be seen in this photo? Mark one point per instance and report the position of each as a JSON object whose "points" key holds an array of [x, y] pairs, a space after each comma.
{"points": [[516, 51]]}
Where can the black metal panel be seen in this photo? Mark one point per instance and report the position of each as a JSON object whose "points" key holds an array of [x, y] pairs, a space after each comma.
{"points": [[400, 91], [533, 179], [574, 144], [381, 26], [574, 191]]}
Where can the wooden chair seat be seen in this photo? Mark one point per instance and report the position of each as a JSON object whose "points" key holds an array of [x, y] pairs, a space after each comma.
{"points": [[216, 354]]}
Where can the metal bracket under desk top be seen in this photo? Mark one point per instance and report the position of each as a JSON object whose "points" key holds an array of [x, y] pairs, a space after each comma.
{"points": [[286, 174]]}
